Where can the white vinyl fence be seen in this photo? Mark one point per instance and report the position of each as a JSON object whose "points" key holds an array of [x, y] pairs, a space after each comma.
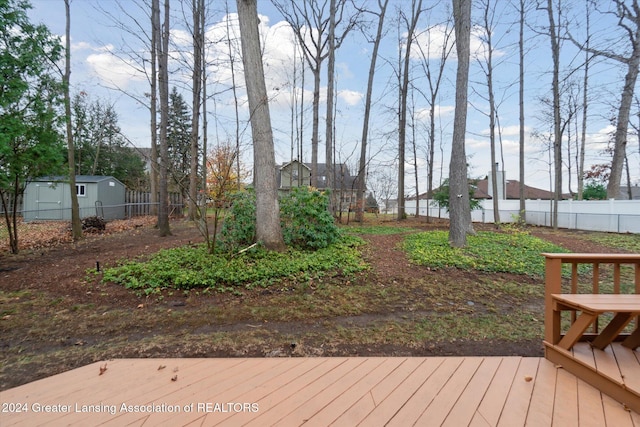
{"points": [[616, 216]]}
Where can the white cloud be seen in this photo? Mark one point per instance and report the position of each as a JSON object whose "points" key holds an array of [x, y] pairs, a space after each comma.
{"points": [[351, 97], [112, 69]]}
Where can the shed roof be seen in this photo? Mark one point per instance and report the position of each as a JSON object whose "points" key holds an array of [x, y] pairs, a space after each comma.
{"points": [[79, 179]]}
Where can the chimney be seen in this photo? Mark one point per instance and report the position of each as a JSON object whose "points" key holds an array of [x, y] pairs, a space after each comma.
{"points": [[502, 187]]}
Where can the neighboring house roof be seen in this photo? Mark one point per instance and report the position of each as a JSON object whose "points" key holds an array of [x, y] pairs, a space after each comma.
{"points": [[79, 178], [512, 191]]}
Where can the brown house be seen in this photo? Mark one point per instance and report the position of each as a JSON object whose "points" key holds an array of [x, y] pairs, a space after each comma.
{"points": [[298, 174]]}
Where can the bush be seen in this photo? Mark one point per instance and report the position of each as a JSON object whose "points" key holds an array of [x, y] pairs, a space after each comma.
{"points": [[304, 217], [239, 227]]}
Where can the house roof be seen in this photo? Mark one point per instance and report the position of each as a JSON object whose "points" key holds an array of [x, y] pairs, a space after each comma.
{"points": [[342, 175], [512, 191], [79, 178]]}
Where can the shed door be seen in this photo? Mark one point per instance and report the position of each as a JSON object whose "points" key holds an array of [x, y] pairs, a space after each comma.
{"points": [[49, 202]]}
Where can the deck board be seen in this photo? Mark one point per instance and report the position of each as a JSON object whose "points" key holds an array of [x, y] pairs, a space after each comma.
{"points": [[456, 391]]}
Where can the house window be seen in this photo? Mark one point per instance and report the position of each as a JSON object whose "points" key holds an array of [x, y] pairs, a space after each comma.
{"points": [[81, 190]]}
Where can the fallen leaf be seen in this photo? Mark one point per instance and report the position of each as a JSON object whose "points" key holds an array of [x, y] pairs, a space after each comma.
{"points": [[528, 378], [140, 305], [103, 369], [174, 378], [161, 367]]}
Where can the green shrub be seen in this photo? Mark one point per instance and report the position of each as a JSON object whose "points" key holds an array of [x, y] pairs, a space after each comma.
{"points": [[304, 216], [306, 221], [239, 227]]}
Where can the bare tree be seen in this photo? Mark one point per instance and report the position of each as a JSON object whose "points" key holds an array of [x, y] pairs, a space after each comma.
{"points": [[76, 225], [198, 13], [459, 209], [330, 95], [488, 22], [268, 229], [309, 21], [585, 104], [162, 48], [629, 20], [434, 74], [382, 5], [523, 213], [554, 37], [403, 77]]}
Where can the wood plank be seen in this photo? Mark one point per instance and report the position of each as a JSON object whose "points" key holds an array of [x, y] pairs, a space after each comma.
{"points": [[565, 413], [231, 390], [467, 405], [331, 375], [444, 402], [304, 413], [590, 407], [628, 366], [496, 395], [543, 396], [413, 407], [361, 409], [342, 402], [615, 413], [606, 364], [282, 388], [517, 404], [388, 407]]}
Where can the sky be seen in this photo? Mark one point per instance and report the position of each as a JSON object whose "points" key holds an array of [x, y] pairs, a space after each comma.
{"points": [[107, 39]]}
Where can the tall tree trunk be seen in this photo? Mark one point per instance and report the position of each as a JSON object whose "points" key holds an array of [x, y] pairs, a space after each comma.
{"points": [[197, 7], [362, 166], [76, 225], [334, 199], [163, 86], [522, 216], [153, 161], [268, 230], [492, 117], [459, 209], [557, 137], [585, 89], [315, 124], [402, 107], [624, 113]]}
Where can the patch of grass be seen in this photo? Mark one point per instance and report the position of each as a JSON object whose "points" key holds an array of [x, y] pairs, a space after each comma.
{"points": [[627, 242], [192, 267], [517, 253]]}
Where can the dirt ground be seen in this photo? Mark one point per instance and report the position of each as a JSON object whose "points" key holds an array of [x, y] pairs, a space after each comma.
{"points": [[65, 318]]}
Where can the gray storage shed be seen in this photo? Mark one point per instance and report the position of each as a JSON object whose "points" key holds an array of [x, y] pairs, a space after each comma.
{"points": [[49, 198]]}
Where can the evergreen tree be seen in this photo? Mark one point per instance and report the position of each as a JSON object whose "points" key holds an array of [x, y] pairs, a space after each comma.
{"points": [[179, 142], [30, 107], [100, 147]]}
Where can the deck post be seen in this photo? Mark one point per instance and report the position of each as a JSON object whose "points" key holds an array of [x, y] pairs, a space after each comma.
{"points": [[553, 285]]}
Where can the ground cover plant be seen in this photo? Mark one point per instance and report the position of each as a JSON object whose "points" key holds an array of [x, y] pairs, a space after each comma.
{"points": [[58, 312], [507, 252], [194, 267]]}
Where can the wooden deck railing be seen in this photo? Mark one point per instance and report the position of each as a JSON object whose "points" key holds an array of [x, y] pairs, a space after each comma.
{"points": [[554, 278], [611, 368]]}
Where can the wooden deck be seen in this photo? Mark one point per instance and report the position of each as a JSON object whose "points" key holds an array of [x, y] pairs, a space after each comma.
{"points": [[433, 391]]}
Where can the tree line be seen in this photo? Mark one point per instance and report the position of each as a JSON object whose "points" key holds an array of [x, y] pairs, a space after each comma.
{"points": [[429, 37]]}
